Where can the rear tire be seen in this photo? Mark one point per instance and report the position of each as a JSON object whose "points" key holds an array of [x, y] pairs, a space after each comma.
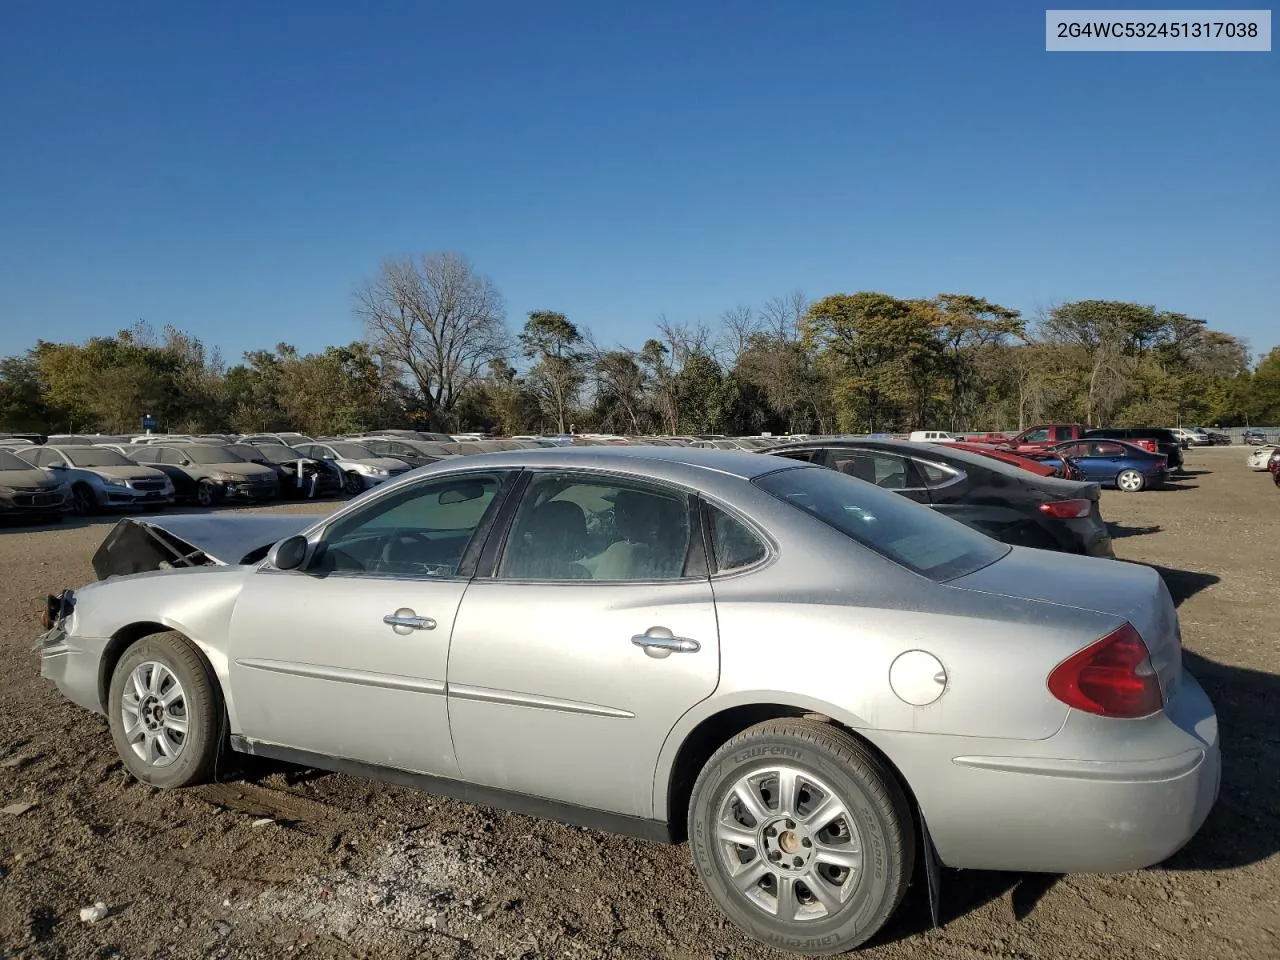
{"points": [[802, 836], [165, 710], [1130, 481]]}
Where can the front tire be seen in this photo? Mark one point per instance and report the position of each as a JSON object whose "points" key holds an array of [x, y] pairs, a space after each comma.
{"points": [[165, 711], [1130, 481], [802, 836], [83, 502], [207, 494], [352, 483]]}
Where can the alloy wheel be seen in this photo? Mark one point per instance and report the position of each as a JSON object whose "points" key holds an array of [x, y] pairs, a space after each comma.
{"points": [[1130, 481], [789, 844], [153, 707], [82, 501]]}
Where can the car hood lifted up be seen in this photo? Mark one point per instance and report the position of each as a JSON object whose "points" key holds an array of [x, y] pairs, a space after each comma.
{"points": [[140, 544]]}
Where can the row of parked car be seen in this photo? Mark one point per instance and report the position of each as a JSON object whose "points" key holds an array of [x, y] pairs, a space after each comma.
{"points": [[84, 474], [1047, 497]]}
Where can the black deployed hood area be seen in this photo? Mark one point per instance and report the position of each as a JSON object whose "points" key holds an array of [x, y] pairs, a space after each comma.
{"points": [[140, 544]]}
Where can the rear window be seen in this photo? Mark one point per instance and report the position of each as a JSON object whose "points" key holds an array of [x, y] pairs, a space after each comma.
{"points": [[906, 532]]}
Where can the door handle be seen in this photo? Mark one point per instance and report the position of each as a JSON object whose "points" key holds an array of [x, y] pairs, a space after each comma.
{"points": [[661, 642], [405, 620]]}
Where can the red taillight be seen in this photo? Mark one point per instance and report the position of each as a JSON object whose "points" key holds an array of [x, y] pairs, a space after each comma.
{"points": [[1112, 678], [1067, 509]]}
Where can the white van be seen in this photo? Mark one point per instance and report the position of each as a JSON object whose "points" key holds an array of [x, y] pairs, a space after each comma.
{"points": [[931, 436]]}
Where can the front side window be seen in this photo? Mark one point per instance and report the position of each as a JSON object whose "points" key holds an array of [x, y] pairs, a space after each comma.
{"points": [[908, 533], [734, 545], [1036, 436], [420, 531], [576, 527]]}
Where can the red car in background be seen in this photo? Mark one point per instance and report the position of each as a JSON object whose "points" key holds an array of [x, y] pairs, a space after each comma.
{"points": [[1066, 471]]}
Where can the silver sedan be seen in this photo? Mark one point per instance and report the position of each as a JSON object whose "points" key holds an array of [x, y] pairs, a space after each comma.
{"points": [[819, 683]]}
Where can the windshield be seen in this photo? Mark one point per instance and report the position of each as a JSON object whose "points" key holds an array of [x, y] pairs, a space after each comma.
{"points": [[906, 532], [246, 451], [9, 462], [205, 455], [276, 452], [81, 457], [352, 451]]}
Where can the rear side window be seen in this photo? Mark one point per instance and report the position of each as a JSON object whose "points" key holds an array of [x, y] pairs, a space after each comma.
{"points": [[886, 470], [734, 545], [805, 455], [906, 532], [934, 474]]}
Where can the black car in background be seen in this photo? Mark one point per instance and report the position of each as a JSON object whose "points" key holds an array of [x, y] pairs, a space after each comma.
{"points": [[1003, 501], [1166, 441], [208, 474], [299, 476]]}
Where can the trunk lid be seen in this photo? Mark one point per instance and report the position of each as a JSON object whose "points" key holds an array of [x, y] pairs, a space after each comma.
{"points": [[1127, 591]]}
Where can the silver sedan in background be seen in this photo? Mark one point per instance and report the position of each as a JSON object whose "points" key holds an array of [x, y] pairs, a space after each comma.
{"points": [[811, 679]]}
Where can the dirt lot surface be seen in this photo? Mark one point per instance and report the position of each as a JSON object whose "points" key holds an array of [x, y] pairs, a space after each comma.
{"points": [[277, 861]]}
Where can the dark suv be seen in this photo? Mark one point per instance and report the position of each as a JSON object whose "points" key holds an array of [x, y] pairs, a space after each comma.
{"points": [[1165, 440]]}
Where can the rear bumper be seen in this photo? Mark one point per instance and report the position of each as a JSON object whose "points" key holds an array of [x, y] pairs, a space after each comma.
{"points": [[1062, 805]]}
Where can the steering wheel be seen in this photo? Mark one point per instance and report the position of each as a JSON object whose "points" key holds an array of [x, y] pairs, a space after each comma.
{"points": [[400, 538]]}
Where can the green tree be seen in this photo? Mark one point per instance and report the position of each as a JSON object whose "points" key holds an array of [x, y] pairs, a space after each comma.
{"points": [[552, 341], [883, 355]]}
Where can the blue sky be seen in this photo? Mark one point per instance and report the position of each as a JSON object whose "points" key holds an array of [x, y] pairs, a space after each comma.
{"points": [[236, 168]]}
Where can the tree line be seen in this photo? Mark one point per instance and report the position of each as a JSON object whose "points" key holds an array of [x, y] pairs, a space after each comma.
{"points": [[437, 352]]}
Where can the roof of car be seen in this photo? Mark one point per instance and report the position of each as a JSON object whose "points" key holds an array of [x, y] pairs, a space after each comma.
{"points": [[736, 463]]}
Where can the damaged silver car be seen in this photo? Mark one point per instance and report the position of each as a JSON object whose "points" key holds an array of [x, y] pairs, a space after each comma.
{"points": [[822, 685]]}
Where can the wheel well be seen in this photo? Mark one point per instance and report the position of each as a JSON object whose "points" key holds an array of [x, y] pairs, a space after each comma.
{"points": [[122, 640], [712, 733]]}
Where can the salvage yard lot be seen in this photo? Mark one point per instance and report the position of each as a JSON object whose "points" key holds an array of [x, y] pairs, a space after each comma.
{"points": [[275, 861]]}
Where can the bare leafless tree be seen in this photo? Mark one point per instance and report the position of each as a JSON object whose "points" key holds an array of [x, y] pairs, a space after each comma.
{"points": [[781, 316], [439, 321], [737, 326]]}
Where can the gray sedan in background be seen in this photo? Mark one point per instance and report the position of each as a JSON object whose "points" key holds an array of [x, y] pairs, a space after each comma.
{"points": [[100, 477], [815, 681]]}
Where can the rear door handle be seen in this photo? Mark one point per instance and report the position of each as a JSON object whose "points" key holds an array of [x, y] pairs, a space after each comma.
{"points": [[661, 642], [404, 621]]}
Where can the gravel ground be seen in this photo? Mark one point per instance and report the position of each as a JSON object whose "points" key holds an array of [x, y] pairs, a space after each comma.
{"points": [[275, 861]]}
